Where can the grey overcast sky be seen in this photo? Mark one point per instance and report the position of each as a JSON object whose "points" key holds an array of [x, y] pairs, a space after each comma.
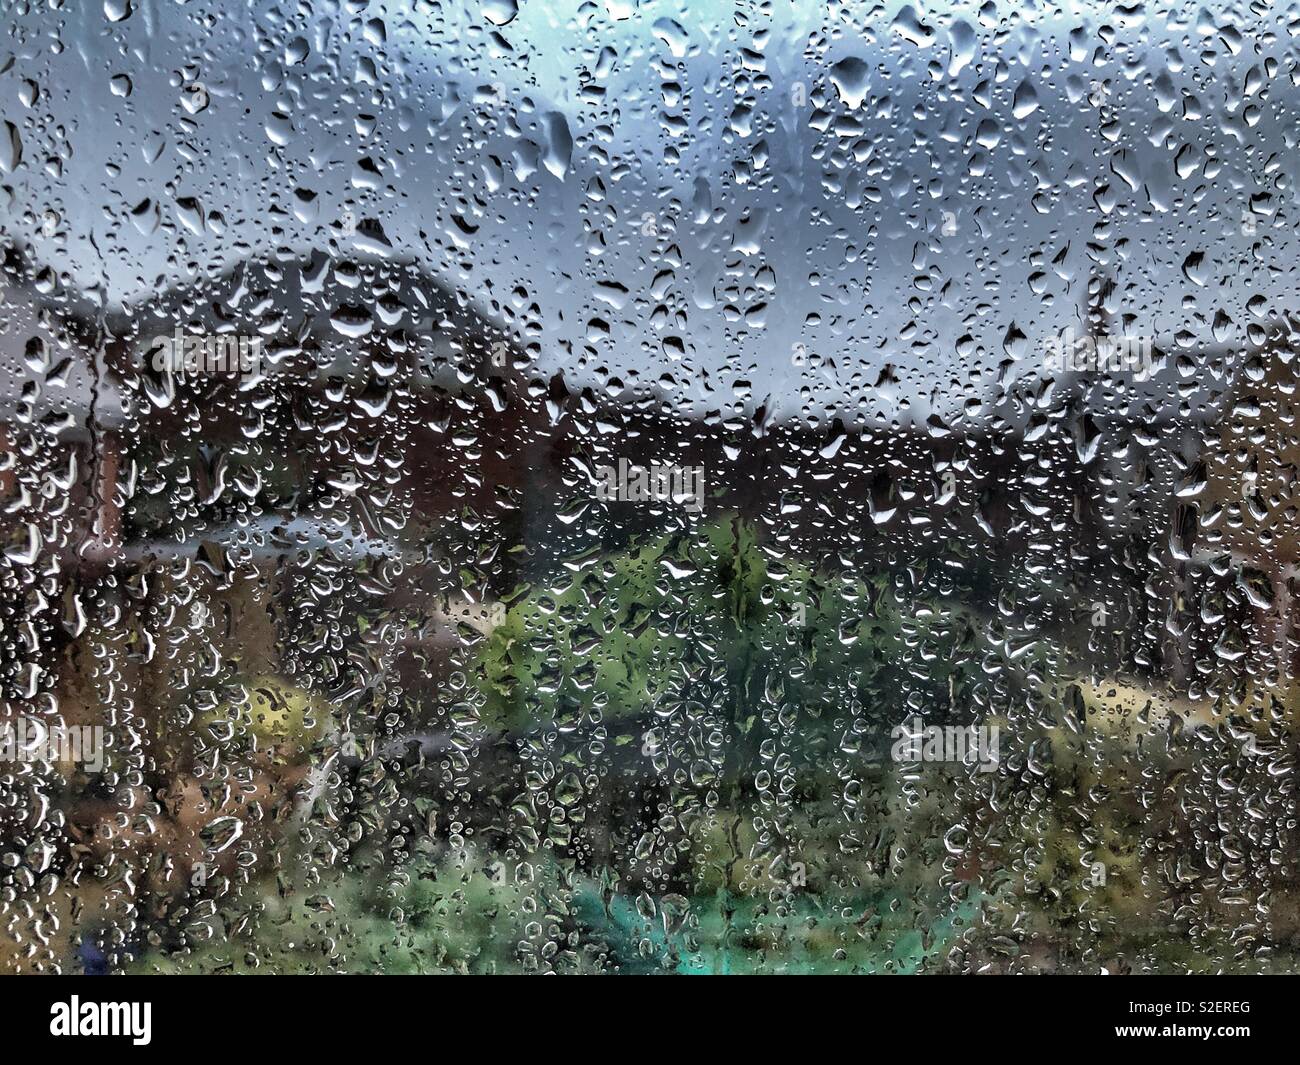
{"points": [[696, 198]]}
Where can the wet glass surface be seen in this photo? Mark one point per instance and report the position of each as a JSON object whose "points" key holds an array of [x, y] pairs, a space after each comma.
{"points": [[646, 487]]}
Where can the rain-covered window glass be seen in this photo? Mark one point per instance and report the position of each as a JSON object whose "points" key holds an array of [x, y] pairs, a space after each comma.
{"points": [[646, 486]]}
